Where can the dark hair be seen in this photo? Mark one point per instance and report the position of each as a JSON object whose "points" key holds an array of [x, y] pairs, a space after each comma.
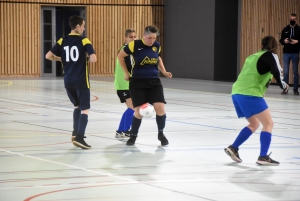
{"points": [[129, 31], [74, 21], [269, 43], [151, 29], [293, 14]]}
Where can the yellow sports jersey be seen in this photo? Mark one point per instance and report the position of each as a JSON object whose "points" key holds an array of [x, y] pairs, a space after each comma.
{"points": [[145, 59]]}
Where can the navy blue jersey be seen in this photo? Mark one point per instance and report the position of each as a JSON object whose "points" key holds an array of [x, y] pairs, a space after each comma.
{"points": [[145, 59], [73, 49]]}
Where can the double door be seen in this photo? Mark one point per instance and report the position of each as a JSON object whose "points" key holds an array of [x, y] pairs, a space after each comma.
{"points": [[54, 25]]}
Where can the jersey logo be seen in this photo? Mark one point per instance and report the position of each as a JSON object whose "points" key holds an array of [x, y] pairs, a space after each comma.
{"points": [[154, 49], [140, 48], [147, 61]]}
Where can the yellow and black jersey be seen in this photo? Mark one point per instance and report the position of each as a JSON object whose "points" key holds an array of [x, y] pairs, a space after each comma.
{"points": [[144, 59], [72, 49]]}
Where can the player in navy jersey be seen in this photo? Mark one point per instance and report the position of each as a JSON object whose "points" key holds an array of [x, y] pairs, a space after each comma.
{"points": [[144, 82], [72, 51]]}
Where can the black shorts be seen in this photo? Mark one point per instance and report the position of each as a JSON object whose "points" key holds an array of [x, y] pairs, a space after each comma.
{"points": [[150, 95], [123, 95], [79, 97]]}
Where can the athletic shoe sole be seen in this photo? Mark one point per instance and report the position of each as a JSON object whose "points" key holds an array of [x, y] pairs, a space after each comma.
{"points": [[231, 154], [266, 163], [73, 138], [77, 144]]}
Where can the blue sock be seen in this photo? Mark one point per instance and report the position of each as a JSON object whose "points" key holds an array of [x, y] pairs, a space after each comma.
{"points": [[83, 120], [76, 115], [128, 119], [242, 137], [136, 123], [265, 141], [121, 125], [161, 122]]}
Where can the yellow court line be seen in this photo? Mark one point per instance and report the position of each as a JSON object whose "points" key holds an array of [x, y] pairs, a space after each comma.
{"points": [[6, 83], [27, 136]]}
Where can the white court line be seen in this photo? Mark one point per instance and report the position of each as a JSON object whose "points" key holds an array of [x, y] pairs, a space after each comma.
{"points": [[137, 182], [71, 166]]}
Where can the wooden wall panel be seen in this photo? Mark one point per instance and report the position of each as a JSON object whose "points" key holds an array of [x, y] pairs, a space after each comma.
{"points": [[106, 22], [20, 48], [107, 33], [271, 16]]}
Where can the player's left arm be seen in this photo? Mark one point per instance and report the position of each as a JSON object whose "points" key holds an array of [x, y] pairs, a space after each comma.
{"points": [[162, 68], [161, 65], [89, 49]]}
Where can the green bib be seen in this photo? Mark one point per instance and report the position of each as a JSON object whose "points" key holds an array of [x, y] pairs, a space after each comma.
{"points": [[249, 81], [119, 82]]}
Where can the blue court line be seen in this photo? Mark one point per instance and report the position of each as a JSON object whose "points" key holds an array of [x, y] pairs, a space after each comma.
{"points": [[228, 129], [104, 111]]}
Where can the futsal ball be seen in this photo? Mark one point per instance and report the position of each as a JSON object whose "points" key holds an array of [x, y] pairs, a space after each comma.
{"points": [[147, 110]]}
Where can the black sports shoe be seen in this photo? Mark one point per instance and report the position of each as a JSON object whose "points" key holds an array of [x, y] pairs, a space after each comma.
{"points": [[131, 140], [233, 153], [74, 133], [162, 138], [79, 142], [266, 160], [126, 133]]}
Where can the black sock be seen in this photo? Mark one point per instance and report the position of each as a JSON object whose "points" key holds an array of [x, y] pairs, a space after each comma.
{"points": [[83, 120], [76, 116], [161, 122], [136, 123]]}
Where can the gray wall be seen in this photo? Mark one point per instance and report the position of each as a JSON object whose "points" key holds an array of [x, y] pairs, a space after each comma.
{"points": [[200, 39], [189, 38]]}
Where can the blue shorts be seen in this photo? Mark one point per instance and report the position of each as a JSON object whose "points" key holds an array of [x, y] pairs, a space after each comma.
{"points": [[79, 97], [247, 106]]}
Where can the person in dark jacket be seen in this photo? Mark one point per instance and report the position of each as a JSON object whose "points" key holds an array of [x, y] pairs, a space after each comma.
{"points": [[290, 37]]}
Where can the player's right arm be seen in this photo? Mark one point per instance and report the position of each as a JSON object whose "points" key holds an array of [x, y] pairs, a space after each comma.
{"points": [[51, 55]]}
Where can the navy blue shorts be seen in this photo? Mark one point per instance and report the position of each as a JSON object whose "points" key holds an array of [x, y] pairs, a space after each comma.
{"points": [[123, 95], [247, 106], [151, 95], [79, 97]]}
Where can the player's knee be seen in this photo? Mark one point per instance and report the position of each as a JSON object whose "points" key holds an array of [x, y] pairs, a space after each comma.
{"points": [[137, 113], [159, 109], [271, 123], [85, 112], [160, 112], [268, 125], [254, 126]]}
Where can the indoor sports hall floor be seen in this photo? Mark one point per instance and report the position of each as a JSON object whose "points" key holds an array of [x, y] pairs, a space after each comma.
{"points": [[38, 162]]}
